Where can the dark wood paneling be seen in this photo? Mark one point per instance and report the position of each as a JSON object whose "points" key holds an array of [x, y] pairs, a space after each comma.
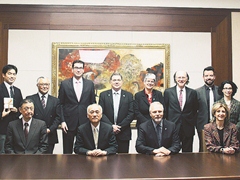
{"points": [[120, 18], [222, 50]]}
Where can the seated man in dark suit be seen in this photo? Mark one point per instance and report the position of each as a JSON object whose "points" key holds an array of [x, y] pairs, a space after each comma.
{"points": [[158, 136], [26, 135], [95, 138]]}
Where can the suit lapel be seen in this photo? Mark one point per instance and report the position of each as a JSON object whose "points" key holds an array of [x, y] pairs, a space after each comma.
{"points": [[110, 97], [38, 103], [20, 132], [71, 88], [203, 94], [144, 97], [32, 129], [5, 91], [152, 131], [122, 98], [175, 96]]}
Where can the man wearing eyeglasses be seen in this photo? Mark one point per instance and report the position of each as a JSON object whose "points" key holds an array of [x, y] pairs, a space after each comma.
{"points": [[75, 95], [48, 109], [27, 135]]}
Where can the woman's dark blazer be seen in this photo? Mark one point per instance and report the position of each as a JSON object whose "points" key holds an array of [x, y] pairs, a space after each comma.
{"points": [[141, 105]]}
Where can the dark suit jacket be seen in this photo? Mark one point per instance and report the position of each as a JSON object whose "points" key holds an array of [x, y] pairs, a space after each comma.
{"points": [[74, 111], [141, 105], [186, 117], [125, 112], [147, 139], [37, 141], [202, 115], [51, 115], [85, 142], [16, 102], [212, 137]]}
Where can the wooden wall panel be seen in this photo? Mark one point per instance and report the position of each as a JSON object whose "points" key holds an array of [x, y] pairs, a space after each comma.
{"points": [[222, 50], [120, 18]]}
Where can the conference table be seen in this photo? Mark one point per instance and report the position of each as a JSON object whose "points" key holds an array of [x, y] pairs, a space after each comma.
{"points": [[121, 166]]}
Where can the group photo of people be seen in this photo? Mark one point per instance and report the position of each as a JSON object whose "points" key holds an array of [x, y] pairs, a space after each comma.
{"points": [[165, 121]]}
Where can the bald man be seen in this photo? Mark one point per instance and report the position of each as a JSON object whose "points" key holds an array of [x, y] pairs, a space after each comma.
{"points": [[181, 107]]}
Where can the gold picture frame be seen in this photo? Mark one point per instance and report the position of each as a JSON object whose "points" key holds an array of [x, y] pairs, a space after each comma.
{"points": [[133, 61]]}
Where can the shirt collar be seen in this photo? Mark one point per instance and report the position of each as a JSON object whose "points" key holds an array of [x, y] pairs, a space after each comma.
{"points": [[155, 124], [40, 95], [7, 85], [183, 89], [93, 127], [75, 80], [29, 122], [119, 91]]}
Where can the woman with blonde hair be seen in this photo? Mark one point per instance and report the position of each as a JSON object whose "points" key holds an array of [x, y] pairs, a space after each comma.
{"points": [[220, 133]]}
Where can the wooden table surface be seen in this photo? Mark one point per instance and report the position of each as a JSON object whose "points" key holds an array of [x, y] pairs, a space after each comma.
{"points": [[128, 166]]}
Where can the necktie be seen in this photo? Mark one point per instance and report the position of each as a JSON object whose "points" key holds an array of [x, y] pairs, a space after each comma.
{"points": [[43, 102], [78, 90], [26, 130], [116, 106], [159, 134], [11, 92], [211, 101], [95, 136], [180, 98]]}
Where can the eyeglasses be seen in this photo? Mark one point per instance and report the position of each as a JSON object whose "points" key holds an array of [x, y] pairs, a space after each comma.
{"points": [[43, 84], [78, 68], [227, 88], [28, 108]]}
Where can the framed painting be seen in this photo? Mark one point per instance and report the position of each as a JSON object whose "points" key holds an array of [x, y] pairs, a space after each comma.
{"points": [[133, 61]]}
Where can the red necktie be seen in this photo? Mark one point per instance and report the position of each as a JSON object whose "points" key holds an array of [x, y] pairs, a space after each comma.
{"points": [[180, 98]]}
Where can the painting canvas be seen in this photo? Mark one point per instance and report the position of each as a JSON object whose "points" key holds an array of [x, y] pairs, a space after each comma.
{"points": [[133, 61]]}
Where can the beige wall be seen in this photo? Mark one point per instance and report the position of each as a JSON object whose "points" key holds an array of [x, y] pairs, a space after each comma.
{"points": [[236, 51]]}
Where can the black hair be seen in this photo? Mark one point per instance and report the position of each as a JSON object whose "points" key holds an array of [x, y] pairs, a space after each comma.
{"points": [[9, 67]]}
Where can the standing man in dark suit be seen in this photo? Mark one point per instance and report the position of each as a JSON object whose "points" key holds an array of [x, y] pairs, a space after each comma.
{"points": [[48, 109], [26, 135], [117, 105], [157, 136], [207, 95], [7, 90], [75, 95], [144, 98], [181, 108], [95, 138]]}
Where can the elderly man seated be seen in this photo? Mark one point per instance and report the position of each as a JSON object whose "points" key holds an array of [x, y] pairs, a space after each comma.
{"points": [[95, 138], [157, 136]]}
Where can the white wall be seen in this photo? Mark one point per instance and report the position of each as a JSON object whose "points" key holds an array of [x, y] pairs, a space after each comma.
{"points": [[236, 51]]}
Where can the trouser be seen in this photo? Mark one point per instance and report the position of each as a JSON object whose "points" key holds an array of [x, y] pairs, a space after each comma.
{"points": [[68, 140], [2, 143], [187, 141], [123, 146], [50, 148]]}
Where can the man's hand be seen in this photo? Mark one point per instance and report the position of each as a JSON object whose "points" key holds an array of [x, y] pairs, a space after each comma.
{"points": [[97, 152], [64, 127], [116, 129], [48, 131], [5, 112], [162, 151]]}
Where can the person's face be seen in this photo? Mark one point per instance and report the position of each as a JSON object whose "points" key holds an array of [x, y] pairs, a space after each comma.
{"points": [[116, 82], [78, 70], [220, 114], [209, 77], [181, 79], [27, 111], [10, 76], [43, 86], [94, 114], [156, 113], [149, 83], [227, 90]]}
